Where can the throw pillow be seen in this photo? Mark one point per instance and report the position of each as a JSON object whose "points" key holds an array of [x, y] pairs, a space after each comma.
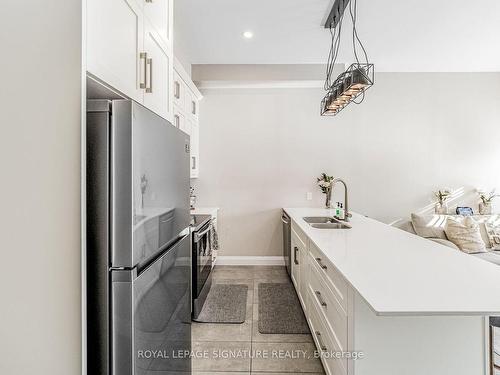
{"points": [[465, 234], [429, 226], [482, 220], [493, 232]]}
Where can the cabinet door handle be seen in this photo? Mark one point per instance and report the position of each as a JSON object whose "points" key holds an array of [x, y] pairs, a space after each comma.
{"points": [[177, 121], [149, 1], [143, 56], [149, 89], [320, 299], [194, 162], [320, 341], [177, 89], [295, 249], [194, 108], [321, 264]]}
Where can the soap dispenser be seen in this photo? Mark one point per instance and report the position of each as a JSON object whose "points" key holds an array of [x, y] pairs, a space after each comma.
{"points": [[339, 211]]}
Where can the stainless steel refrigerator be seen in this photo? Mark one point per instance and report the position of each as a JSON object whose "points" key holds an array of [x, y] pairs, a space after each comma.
{"points": [[138, 244]]}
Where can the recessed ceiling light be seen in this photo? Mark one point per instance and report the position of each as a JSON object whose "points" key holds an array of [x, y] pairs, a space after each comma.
{"points": [[248, 35]]}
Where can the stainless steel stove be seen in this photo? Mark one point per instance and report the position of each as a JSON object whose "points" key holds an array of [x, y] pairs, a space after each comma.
{"points": [[201, 225]]}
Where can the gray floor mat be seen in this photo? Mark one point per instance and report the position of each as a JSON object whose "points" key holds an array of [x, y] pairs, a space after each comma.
{"points": [[226, 303], [280, 311]]}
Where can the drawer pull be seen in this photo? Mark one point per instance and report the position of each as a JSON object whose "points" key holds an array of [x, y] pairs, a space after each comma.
{"points": [[320, 299], [321, 264], [320, 342], [177, 90], [295, 249]]}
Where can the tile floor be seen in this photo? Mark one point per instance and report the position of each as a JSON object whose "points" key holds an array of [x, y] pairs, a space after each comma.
{"points": [[251, 351]]}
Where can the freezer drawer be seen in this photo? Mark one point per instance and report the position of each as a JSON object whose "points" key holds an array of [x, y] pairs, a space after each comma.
{"points": [[151, 315]]}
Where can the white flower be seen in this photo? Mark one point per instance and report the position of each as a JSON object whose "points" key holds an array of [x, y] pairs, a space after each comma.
{"points": [[324, 184]]}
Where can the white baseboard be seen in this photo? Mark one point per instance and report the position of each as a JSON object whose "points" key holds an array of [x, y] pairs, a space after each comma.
{"points": [[250, 261]]}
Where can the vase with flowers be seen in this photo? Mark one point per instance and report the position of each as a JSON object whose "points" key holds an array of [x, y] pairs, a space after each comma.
{"points": [[442, 196], [325, 184], [486, 200]]}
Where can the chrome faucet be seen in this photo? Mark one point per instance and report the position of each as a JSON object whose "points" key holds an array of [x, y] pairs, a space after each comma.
{"points": [[346, 203]]}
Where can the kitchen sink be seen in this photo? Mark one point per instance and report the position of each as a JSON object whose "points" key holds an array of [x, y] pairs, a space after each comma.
{"points": [[330, 225], [319, 219], [325, 222]]}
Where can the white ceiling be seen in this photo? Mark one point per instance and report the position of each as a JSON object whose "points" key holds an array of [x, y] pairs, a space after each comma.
{"points": [[399, 35]]}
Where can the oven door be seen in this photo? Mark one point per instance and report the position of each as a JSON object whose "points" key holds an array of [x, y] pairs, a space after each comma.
{"points": [[151, 315], [202, 256]]}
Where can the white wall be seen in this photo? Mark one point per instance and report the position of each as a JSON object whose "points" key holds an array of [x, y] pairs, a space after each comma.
{"points": [[40, 187], [415, 132]]}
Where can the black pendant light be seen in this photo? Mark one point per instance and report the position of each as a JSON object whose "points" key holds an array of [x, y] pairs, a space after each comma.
{"points": [[351, 85]]}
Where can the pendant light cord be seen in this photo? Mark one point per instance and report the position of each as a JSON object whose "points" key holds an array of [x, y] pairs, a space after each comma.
{"points": [[335, 33], [355, 38], [333, 54]]}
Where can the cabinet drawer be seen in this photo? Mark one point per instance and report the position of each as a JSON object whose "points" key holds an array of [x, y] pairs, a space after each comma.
{"points": [[323, 341], [335, 281], [327, 304]]}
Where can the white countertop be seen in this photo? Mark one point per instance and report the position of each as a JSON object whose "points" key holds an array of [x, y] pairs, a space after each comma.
{"points": [[398, 273]]}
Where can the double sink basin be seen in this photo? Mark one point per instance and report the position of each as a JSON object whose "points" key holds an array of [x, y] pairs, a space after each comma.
{"points": [[325, 222]]}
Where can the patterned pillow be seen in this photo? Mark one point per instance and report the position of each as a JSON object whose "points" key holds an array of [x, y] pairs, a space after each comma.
{"points": [[493, 232], [465, 234]]}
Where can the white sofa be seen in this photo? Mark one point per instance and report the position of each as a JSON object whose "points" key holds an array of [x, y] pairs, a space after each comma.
{"points": [[435, 232]]}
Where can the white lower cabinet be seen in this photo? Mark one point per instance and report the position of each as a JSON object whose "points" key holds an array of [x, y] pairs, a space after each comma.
{"points": [[295, 262], [323, 294], [298, 264], [343, 326], [323, 339]]}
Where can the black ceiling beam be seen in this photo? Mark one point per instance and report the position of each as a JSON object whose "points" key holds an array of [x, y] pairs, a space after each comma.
{"points": [[336, 13]]}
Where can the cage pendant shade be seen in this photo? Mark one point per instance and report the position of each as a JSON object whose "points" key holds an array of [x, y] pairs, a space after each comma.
{"points": [[347, 87]]}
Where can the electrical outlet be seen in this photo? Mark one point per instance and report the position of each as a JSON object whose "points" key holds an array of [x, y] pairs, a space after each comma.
{"points": [[309, 196]]}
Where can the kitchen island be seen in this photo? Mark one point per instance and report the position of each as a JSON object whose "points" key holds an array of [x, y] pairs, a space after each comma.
{"points": [[411, 306]]}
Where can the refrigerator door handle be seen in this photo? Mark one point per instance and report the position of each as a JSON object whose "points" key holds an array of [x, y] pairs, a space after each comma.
{"points": [[141, 268]]}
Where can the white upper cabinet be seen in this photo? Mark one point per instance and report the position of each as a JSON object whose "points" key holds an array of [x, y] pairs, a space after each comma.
{"points": [[159, 13], [193, 107], [129, 47], [158, 73], [195, 150], [186, 99], [179, 91], [114, 43]]}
